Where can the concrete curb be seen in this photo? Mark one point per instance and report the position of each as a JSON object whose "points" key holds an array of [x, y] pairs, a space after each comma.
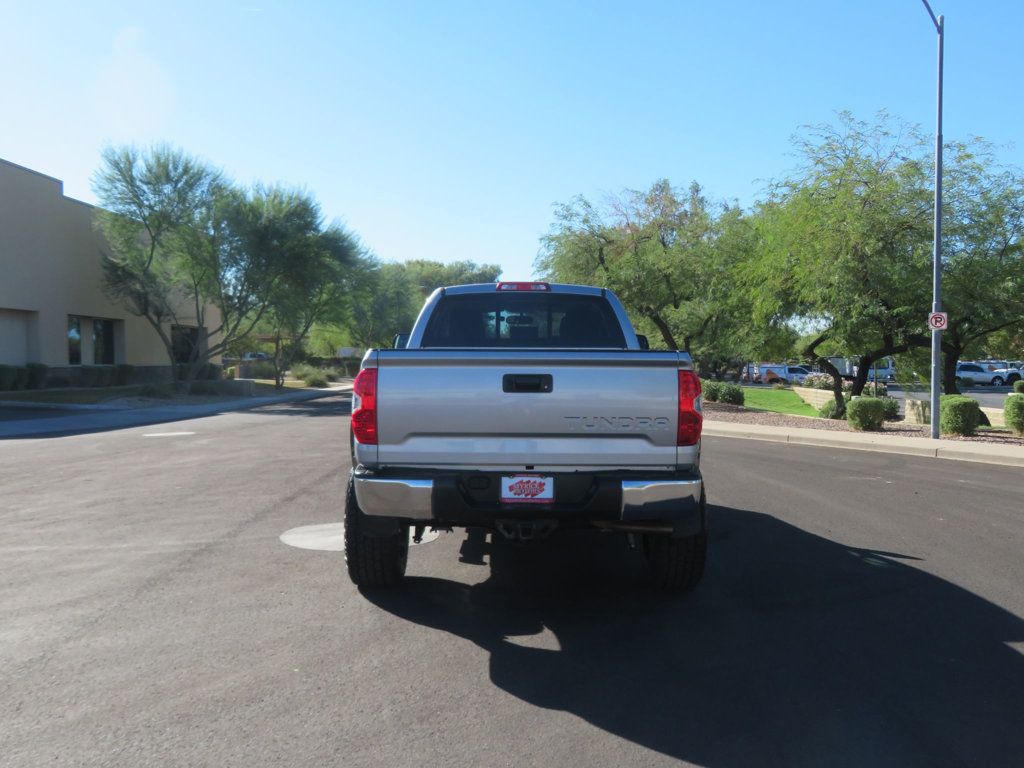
{"points": [[31, 406], [984, 453], [124, 418]]}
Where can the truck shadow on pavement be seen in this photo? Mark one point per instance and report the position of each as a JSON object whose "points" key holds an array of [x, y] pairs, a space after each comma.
{"points": [[795, 650]]}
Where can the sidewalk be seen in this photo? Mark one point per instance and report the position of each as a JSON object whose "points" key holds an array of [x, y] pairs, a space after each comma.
{"points": [[73, 419], [985, 453]]}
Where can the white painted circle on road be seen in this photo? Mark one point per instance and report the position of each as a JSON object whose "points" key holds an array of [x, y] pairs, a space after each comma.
{"points": [[329, 537]]}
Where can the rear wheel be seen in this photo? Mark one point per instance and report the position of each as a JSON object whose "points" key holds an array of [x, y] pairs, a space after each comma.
{"points": [[677, 565], [373, 561], [997, 381]]}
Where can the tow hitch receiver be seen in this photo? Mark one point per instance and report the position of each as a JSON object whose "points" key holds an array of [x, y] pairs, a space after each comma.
{"points": [[525, 530]]}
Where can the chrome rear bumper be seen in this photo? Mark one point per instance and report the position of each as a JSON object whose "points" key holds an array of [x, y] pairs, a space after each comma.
{"points": [[641, 500]]}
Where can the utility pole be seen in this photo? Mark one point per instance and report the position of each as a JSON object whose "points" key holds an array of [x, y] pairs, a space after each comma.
{"points": [[937, 245]]}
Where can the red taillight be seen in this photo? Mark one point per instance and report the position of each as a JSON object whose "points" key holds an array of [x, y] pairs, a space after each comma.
{"points": [[523, 287], [690, 419], [364, 407]]}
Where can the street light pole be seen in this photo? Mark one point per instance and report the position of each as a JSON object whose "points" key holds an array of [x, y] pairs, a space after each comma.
{"points": [[937, 245]]}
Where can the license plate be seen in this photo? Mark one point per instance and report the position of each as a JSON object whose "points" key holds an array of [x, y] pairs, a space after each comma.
{"points": [[527, 489]]}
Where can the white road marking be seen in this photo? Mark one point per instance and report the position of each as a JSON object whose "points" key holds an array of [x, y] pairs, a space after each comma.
{"points": [[329, 537], [168, 434]]}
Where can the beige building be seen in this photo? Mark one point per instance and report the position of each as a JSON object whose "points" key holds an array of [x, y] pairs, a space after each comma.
{"points": [[52, 306]]}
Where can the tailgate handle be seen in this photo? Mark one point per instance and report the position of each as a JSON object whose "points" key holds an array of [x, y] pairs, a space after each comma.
{"points": [[527, 382]]}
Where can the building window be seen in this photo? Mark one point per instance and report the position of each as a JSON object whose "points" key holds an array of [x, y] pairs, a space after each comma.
{"points": [[74, 340], [103, 342], [184, 340]]}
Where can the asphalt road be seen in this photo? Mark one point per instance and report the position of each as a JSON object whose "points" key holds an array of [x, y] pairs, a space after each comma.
{"points": [[858, 610]]}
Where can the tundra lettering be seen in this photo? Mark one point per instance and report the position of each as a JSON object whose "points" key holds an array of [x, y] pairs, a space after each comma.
{"points": [[619, 423]]}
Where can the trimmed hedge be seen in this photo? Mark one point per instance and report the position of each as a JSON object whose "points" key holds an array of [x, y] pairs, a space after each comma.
{"points": [[36, 375], [1018, 386], [1013, 412], [7, 375], [711, 390], [831, 411], [891, 408], [20, 377], [866, 414], [123, 373], [958, 415], [731, 394]]}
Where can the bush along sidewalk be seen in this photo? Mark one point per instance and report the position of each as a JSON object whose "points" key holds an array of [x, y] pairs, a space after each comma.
{"points": [[958, 415], [866, 414], [1013, 412], [1018, 386]]}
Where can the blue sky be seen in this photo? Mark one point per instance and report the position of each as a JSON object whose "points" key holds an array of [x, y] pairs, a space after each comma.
{"points": [[447, 130]]}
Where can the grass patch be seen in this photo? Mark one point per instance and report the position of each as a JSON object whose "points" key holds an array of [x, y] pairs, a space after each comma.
{"points": [[86, 396], [776, 401]]}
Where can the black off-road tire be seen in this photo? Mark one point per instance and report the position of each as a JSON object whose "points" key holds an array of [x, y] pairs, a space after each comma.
{"points": [[677, 565], [373, 561]]}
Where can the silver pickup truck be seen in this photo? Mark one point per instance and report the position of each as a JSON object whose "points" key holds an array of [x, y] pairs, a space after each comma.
{"points": [[522, 408]]}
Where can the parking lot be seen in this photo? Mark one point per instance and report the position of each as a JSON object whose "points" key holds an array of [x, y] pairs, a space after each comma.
{"points": [[858, 610]]}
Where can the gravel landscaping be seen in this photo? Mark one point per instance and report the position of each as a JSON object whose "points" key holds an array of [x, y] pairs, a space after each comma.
{"points": [[741, 415]]}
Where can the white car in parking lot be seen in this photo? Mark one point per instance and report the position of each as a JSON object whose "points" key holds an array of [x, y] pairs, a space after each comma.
{"points": [[980, 373]]}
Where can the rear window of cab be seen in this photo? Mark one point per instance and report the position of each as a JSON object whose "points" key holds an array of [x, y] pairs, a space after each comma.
{"points": [[521, 320]]}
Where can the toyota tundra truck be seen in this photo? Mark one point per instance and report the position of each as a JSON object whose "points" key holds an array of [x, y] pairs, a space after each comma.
{"points": [[523, 408]]}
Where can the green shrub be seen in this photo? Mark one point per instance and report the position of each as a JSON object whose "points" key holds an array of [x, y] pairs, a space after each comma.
{"points": [[106, 376], [332, 374], [203, 387], [210, 372], [780, 385], [123, 374], [302, 370], [56, 382], [711, 390], [1018, 387], [229, 372], [316, 379], [831, 411], [866, 414], [1013, 412], [6, 377], [36, 375], [891, 408], [958, 415], [20, 377], [157, 390], [260, 369], [731, 393]]}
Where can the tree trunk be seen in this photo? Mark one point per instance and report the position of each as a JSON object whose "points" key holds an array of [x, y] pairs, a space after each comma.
{"points": [[812, 356], [860, 379], [950, 358], [666, 332], [837, 383]]}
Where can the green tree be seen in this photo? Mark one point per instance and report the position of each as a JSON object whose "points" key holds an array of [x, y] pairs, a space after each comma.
{"points": [[983, 274], [326, 266], [669, 256], [844, 244], [387, 306], [430, 275], [182, 239]]}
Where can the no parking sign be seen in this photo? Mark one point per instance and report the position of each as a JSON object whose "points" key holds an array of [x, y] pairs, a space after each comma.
{"points": [[937, 321]]}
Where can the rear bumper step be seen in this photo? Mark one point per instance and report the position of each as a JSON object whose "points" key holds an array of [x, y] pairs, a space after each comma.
{"points": [[618, 501]]}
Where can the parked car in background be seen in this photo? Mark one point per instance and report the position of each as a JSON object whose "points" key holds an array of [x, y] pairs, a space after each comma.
{"points": [[791, 374], [980, 374]]}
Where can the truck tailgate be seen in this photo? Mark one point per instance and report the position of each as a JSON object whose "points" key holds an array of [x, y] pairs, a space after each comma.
{"points": [[528, 408]]}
